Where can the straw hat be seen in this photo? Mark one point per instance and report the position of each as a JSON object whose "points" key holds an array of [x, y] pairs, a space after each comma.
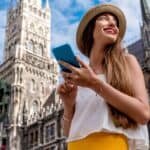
{"points": [[103, 8]]}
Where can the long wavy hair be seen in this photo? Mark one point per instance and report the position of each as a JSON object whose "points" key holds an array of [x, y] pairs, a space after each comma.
{"points": [[117, 72]]}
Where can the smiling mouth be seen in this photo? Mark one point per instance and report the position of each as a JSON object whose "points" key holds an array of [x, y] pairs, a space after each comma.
{"points": [[110, 30]]}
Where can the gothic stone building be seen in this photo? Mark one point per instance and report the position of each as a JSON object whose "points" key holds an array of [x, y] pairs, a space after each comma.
{"points": [[42, 130], [32, 74]]}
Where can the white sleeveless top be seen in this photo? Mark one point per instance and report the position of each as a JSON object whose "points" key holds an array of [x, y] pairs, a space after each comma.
{"points": [[92, 115]]}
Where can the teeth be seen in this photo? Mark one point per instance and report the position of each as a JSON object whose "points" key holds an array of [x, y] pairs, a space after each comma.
{"points": [[110, 30]]}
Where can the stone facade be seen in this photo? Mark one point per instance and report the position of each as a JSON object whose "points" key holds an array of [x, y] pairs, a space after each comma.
{"points": [[42, 130], [27, 66]]}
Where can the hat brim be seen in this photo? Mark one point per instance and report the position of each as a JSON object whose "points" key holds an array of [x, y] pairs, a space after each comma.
{"points": [[104, 8]]}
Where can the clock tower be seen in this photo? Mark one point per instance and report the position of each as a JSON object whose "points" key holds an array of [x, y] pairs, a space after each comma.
{"points": [[28, 65]]}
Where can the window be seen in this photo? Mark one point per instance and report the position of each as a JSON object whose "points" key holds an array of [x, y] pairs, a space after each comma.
{"points": [[1, 109], [31, 45], [42, 87], [49, 132], [32, 27], [35, 107], [41, 30], [1, 94], [31, 139], [36, 138], [52, 148], [33, 86], [40, 52]]}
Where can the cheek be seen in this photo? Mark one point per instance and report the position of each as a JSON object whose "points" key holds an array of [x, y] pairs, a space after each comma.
{"points": [[97, 29], [98, 25]]}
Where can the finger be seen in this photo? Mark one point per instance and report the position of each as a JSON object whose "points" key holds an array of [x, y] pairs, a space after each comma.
{"points": [[61, 89], [69, 77], [66, 75], [69, 86], [68, 66], [81, 62], [70, 82]]}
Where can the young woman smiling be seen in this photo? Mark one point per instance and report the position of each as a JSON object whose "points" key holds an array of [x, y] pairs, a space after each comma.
{"points": [[105, 102]]}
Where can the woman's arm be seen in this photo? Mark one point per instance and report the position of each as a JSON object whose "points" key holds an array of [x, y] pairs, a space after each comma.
{"points": [[67, 93], [66, 120], [135, 107]]}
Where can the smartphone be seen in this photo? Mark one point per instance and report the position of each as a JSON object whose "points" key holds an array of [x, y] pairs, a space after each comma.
{"points": [[65, 53]]}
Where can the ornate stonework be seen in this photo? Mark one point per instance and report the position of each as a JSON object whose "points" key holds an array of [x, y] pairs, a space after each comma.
{"points": [[27, 66]]}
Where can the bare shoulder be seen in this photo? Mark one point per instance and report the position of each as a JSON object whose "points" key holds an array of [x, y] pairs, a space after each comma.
{"points": [[133, 63], [131, 58]]}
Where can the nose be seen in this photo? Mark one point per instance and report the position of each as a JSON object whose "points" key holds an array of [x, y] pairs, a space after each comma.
{"points": [[112, 23]]}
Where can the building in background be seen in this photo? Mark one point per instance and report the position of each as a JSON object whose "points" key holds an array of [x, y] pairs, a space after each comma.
{"points": [[32, 74], [5, 91], [141, 48]]}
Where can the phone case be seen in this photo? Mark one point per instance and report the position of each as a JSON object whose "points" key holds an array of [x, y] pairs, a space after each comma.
{"points": [[65, 53]]}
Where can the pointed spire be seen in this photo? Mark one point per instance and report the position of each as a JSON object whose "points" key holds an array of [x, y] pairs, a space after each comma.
{"points": [[145, 8], [47, 5]]}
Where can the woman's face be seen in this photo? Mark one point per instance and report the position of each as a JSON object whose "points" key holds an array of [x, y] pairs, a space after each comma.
{"points": [[106, 29]]}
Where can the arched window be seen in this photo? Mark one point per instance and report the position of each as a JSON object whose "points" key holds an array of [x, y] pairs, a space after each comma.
{"points": [[42, 87], [38, 49], [40, 52], [41, 30], [31, 45], [33, 87], [34, 107], [32, 27]]}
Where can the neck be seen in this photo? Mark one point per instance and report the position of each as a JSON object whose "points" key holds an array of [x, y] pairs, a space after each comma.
{"points": [[96, 58]]}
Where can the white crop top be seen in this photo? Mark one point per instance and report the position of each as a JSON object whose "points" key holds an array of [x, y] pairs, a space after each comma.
{"points": [[92, 115]]}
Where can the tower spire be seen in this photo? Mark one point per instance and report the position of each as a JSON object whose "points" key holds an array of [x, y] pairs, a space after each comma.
{"points": [[47, 4], [145, 9]]}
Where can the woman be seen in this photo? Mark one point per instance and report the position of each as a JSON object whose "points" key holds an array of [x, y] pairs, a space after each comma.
{"points": [[105, 103]]}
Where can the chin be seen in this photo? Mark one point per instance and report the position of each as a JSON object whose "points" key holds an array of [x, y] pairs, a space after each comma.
{"points": [[111, 40]]}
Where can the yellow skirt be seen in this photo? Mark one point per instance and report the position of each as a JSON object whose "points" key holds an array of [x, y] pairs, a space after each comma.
{"points": [[100, 141]]}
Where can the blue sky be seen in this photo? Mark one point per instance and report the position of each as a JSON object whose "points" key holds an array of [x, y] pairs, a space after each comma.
{"points": [[66, 15]]}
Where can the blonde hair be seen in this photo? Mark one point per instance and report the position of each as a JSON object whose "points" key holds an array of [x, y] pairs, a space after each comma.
{"points": [[118, 75]]}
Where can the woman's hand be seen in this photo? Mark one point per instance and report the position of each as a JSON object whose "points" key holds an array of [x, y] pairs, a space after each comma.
{"points": [[67, 93], [82, 76]]}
